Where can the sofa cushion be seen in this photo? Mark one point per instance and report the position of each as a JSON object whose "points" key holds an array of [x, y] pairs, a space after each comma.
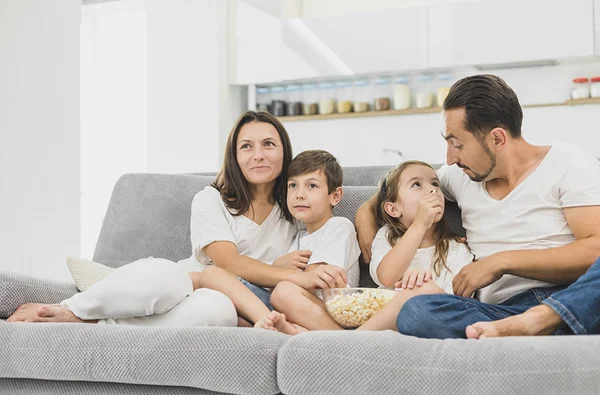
{"points": [[354, 362], [232, 360], [87, 273]]}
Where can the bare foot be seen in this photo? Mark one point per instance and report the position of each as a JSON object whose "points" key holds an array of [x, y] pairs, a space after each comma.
{"points": [[539, 320], [282, 325], [53, 313], [27, 312], [267, 321]]}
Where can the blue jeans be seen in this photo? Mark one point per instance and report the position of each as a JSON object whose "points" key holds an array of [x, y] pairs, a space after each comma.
{"points": [[260, 292], [446, 316]]}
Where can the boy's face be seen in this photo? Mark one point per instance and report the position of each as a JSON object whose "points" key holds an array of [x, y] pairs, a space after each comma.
{"points": [[308, 198]]}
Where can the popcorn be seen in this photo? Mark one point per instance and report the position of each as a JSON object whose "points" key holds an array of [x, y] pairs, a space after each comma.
{"points": [[353, 310]]}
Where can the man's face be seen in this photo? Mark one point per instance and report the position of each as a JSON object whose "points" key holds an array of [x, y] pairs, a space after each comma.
{"points": [[470, 154]]}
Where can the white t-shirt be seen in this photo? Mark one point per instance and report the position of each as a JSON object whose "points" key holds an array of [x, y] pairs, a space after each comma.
{"points": [[531, 217], [211, 221], [334, 243], [458, 256]]}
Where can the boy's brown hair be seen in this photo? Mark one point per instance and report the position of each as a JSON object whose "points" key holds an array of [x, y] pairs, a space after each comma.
{"points": [[315, 160]]}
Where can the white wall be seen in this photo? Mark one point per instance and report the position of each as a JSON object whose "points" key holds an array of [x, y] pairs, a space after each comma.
{"points": [[39, 135], [361, 141]]}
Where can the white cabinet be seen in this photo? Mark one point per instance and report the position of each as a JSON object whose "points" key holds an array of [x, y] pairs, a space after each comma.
{"points": [[597, 25], [505, 31]]}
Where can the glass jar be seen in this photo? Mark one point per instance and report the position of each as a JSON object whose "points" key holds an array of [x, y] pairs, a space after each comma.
{"points": [[278, 104], [310, 97], [595, 87], [402, 94], [424, 97], [327, 102], [361, 96], [382, 94], [263, 99], [344, 92], [581, 89], [294, 105], [443, 88]]}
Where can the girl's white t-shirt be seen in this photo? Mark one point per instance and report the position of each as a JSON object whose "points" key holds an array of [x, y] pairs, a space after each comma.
{"points": [[458, 257], [211, 221], [333, 243]]}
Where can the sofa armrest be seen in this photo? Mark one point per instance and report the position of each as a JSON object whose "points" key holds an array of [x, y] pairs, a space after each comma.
{"points": [[18, 288]]}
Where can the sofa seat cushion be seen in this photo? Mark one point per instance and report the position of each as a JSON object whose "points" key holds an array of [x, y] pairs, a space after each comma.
{"points": [[231, 360], [352, 362]]}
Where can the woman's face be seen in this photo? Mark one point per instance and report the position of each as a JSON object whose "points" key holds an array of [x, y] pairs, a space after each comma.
{"points": [[259, 153]]}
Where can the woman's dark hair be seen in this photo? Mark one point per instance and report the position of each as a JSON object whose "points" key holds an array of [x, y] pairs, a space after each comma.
{"points": [[230, 181], [488, 102]]}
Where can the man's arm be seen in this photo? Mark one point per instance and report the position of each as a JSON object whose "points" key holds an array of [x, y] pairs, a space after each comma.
{"points": [[366, 227]]}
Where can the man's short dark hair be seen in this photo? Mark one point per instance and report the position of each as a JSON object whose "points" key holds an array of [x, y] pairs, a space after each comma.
{"points": [[488, 102], [315, 160]]}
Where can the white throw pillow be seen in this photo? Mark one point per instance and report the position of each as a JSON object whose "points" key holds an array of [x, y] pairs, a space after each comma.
{"points": [[87, 273]]}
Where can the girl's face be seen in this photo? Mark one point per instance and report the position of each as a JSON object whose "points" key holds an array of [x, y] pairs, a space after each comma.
{"points": [[416, 182], [259, 153]]}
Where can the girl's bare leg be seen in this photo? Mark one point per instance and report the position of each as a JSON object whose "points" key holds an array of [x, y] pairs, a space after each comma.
{"points": [[301, 307], [386, 318], [248, 305]]}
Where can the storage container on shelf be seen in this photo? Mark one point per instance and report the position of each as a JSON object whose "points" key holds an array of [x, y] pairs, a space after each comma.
{"points": [[424, 98], [443, 88], [595, 87], [263, 99], [581, 88], [344, 97], [310, 98], [294, 104], [327, 102], [402, 93], [278, 103], [361, 96], [382, 94]]}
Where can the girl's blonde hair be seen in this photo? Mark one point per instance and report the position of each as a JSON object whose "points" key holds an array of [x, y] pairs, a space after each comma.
{"points": [[388, 192]]}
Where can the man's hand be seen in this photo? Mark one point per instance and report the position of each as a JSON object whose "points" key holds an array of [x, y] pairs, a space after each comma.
{"points": [[414, 277], [324, 276], [294, 260], [477, 275], [366, 228]]}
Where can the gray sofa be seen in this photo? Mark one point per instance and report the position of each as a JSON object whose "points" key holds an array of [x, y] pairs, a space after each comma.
{"points": [[148, 215]]}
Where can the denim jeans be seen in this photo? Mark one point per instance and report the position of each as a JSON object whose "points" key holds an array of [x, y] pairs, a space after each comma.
{"points": [[260, 292], [446, 316]]}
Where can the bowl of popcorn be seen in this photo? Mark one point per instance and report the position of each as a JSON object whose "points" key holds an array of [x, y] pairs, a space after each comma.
{"points": [[352, 307]]}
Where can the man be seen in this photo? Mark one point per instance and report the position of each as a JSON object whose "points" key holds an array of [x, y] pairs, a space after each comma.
{"points": [[532, 216]]}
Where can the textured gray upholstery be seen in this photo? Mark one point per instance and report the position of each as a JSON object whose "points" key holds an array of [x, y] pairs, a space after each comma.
{"points": [[234, 360], [354, 362], [17, 288]]}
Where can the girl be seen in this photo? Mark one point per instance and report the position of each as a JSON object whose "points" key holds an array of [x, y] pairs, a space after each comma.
{"points": [[414, 251]]}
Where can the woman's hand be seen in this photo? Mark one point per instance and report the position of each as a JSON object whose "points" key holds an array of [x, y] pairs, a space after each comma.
{"points": [[414, 277], [294, 260]]}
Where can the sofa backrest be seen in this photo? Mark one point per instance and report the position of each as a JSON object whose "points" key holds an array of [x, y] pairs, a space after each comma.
{"points": [[149, 215]]}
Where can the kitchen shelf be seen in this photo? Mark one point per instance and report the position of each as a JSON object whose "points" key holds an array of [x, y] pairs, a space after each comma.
{"points": [[412, 111]]}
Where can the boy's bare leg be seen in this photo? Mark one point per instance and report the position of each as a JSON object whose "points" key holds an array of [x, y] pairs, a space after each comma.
{"points": [[386, 318], [302, 307], [248, 305]]}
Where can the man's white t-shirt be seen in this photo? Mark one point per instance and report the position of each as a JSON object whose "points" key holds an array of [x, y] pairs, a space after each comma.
{"points": [[531, 217], [334, 243], [458, 257], [211, 221]]}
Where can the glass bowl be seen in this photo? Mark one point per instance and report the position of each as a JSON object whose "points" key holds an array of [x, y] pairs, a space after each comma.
{"points": [[352, 307]]}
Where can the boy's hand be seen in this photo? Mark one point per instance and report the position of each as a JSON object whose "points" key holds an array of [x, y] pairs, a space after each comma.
{"points": [[323, 276], [294, 260], [414, 277]]}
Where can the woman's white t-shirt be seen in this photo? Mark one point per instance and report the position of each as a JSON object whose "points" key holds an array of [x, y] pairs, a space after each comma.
{"points": [[334, 243], [458, 257], [211, 221]]}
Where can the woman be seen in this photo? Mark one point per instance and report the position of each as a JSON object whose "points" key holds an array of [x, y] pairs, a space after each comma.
{"points": [[240, 223]]}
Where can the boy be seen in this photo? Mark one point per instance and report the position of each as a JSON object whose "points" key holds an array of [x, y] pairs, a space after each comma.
{"points": [[314, 188]]}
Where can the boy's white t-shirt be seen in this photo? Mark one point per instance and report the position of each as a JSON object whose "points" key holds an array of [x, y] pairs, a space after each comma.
{"points": [[458, 257], [531, 217], [334, 243], [211, 221]]}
